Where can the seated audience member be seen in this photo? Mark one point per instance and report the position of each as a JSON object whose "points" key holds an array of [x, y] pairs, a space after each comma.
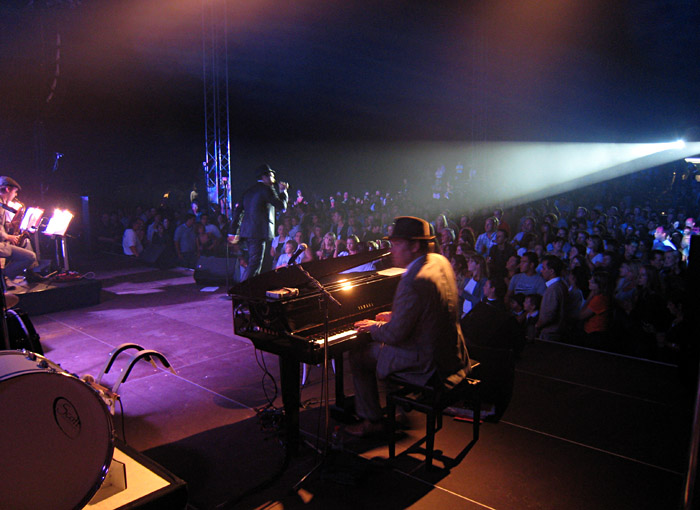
{"points": [[527, 243], [552, 317], [597, 310], [502, 223], [108, 234], [557, 248], [422, 342], [474, 288], [459, 266], [515, 306], [495, 288], [512, 268], [466, 235], [594, 256], [488, 238], [206, 243], [278, 242], [328, 247], [531, 309], [351, 246], [289, 249], [316, 238], [527, 281], [527, 227], [132, 239]]}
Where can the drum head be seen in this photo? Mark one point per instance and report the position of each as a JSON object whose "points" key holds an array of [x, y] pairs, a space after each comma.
{"points": [[56, 439]]}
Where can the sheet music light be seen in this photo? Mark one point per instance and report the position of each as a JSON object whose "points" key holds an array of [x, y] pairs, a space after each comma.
{"points": [[58, 224]]}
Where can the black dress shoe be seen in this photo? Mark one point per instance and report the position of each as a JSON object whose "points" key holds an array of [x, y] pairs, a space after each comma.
{"points": [[32, 277]]}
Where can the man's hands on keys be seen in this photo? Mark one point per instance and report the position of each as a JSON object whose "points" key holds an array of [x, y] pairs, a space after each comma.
{"points": [[365, 325], [383, 317]]}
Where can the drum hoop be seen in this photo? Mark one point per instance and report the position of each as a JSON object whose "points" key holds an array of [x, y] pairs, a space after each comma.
{"points": [[55, 369]]}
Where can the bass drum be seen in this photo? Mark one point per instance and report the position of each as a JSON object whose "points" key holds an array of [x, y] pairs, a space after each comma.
{"points": [[56, 437]]}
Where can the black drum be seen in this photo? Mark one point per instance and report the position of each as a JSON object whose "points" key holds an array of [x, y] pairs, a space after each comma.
{"points": [[56, 437], [21, 331]]}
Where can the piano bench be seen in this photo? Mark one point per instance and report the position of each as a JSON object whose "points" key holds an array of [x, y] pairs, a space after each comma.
{"points": [[432, 402]]}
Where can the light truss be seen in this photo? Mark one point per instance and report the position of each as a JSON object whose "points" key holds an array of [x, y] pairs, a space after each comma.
{"points": [[217, 165]]}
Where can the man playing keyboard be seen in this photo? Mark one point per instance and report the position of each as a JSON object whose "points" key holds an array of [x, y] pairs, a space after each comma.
{"points": [[422, 341]]}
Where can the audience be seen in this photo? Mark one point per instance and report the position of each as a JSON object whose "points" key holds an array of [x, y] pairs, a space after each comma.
{"points": [[629, 244]]}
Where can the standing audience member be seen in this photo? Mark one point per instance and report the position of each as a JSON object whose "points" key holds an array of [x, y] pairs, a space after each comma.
{"points": [[597, 310], [500, 253], [527, 281], [552, 317], [186, 242], [474, 288]]}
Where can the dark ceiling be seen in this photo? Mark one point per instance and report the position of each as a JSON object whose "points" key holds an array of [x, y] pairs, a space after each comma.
{"points": [[129, 97]]}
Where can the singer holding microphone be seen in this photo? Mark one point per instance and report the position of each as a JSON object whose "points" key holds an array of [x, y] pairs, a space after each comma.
{"points": [[254, 216]]}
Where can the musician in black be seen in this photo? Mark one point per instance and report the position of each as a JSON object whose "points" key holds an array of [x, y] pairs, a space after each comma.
{"points": [[257, 210], [18, 260]]}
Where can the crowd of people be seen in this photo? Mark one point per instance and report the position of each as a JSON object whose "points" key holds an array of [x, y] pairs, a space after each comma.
{"points": [[603, 267]]}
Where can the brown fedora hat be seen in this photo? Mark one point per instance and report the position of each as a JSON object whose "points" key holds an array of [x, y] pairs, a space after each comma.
{"points": [[411, 228]]}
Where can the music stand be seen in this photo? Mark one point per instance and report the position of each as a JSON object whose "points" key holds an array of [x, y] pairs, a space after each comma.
{"points": [[57, 227]]}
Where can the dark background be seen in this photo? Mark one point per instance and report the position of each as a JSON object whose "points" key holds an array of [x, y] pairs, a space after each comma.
{"points": [[316, 86]]}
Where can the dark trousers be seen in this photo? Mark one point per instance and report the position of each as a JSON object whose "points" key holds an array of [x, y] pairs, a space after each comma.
{"points": [[256, 252]]}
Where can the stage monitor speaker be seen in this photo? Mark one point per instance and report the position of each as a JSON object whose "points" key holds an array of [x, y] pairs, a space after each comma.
{"points": [[214, 270], [158, 255]]}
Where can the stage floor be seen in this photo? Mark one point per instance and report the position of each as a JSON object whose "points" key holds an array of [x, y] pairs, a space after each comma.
{"points": [[584, 430]]}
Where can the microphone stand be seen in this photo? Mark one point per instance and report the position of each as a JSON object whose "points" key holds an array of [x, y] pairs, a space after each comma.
{"points": [[324, 299]]}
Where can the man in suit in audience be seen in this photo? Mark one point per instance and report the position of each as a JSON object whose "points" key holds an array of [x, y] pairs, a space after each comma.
{"points": [[552, 317], [422, 341]]}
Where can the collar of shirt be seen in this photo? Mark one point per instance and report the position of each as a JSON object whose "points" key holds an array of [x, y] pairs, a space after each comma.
{"points": [[552, 281], [413, 262]]}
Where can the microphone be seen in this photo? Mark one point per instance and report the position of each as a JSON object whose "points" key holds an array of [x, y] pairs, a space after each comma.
{"points": [[293, 259]]}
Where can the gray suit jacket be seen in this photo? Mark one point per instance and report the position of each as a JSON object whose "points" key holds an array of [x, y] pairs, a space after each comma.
{"points": [[424, 337], [553, 311], [257, 210]]}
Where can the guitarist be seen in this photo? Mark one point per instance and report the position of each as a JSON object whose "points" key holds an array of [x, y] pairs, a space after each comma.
{"points": [[17, 260]]}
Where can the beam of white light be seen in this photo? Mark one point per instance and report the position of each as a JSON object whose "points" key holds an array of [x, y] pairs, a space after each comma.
{"points": [[515, 172], [530, 171]]}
